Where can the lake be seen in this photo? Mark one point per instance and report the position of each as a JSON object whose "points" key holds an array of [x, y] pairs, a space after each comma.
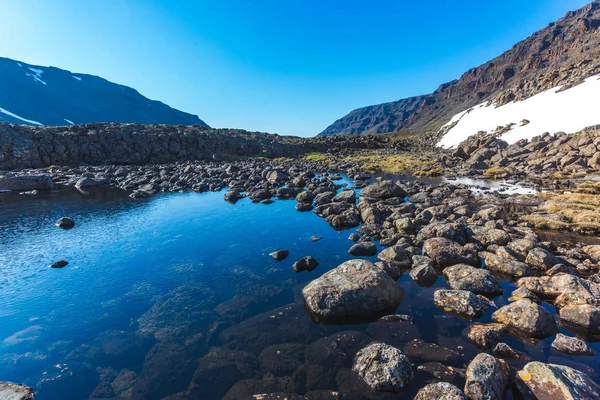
{"points": [[178, 292]]}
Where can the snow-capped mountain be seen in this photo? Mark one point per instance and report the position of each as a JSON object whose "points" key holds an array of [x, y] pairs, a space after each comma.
{"points": [[35, 95], [545, 83]]}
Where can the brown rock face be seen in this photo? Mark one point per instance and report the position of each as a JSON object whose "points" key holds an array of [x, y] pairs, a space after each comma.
{"points": [[563, 53]]}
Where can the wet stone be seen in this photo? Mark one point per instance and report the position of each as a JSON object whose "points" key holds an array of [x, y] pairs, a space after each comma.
{"points": [[307, 263], [279, 255], [65, 223], [476, 280], [527, 317], [439, 371], [487, 378], [461, 302], [440, 391], [486, 336], [423, 275], [445, 252], [383, 367], [59, 264], [418, 349], [571, 345], [366, 248], [551, 381], [505, 351]]}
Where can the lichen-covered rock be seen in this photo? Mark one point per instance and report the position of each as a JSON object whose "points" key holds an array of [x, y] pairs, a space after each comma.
{"points": [[445, 252], [487, 378], [440, 391], [461, 302], [486, 335], [476, 280], [396, 254], [542, 259], [553, 286], [582, 316], [366, 248], [571, 345], [549, 381], [527, 317], [26, 182], [383, 367], [353, 289], [505, 265]]}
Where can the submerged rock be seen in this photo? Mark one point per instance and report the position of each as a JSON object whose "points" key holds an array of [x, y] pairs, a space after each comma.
{"points": [[307, 263], [59, 264], [527, 317], [476, 280], [549, 381], [440, 391], [383, 367], [353, 289], [461, 302], [487, 378], [419, 349], [505, 351]]}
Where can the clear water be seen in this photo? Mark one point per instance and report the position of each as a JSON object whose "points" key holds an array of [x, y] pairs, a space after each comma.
{"points": [[64, 331]]}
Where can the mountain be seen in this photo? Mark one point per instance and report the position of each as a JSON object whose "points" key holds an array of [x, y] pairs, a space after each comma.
{"points": [[556, 58], [35, 95]]}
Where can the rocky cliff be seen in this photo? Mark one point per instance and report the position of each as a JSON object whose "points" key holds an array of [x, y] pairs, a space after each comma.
{"points": [[563, 53], [36, 95]]}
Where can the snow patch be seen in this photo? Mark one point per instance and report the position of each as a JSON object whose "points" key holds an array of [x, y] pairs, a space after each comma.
{"points": [[76, 77], [37, 74], [551, 111], [69, 121], [3, 111]]}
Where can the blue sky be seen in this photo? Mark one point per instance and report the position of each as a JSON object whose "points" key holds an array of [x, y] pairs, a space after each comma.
{"points": [[280, 66]]}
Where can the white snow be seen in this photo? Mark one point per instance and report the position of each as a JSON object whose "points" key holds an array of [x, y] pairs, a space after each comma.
{"points": [[69, 121], [551, 111], [76, 77], [3, 111], [37, 74]]}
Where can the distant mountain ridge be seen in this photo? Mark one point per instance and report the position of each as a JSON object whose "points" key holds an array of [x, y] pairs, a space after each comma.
{"points": [[564, 53], [35, 95]]}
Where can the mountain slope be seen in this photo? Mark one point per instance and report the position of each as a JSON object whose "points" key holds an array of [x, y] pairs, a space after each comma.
{"points": [[564, 53], [35, 95]]}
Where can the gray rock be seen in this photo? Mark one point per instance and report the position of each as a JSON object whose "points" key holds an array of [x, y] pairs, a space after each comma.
{"points": [[22, 183], [383, 190], [461, 302], [542, 259], [423, 275], [366, 248], [549, 381], [232, 195], [395, 254], [486, 336], [527, 317], [345, 196], [13, 391], [476, 280], [487, 378], [553, 286], [505, 265], [355, 288], [445, 252], [303, 207], [307, 263], [582, 316], [383, 367], [394, 270], [571, 345], [505, 351], [440, 391], [354, 237], [279, 255]]}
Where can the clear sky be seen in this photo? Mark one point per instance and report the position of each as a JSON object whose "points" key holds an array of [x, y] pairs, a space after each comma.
{"points": [[280, 66]]}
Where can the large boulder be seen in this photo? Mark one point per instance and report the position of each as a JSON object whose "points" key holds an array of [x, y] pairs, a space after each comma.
{"points": [[527, 317], [383, 190], [553, 286], [26, 182], [549, 381], [487, 378], [383, 367], [476, 280], [446, 252], [355, 288]]}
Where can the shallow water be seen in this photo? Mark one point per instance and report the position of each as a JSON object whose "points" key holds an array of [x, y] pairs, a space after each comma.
{"points": [[152, 285]]}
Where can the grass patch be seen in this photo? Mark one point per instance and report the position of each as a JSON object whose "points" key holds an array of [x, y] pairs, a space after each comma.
{"points": [[399, 163], [496, 171], [318, 157], [581, 209]]}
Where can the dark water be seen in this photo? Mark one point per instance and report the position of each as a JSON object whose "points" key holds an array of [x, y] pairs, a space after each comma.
{"points": [[153, 286]]}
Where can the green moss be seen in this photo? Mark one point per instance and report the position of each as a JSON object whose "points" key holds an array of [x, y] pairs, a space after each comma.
{"points": [[496, 171]]}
